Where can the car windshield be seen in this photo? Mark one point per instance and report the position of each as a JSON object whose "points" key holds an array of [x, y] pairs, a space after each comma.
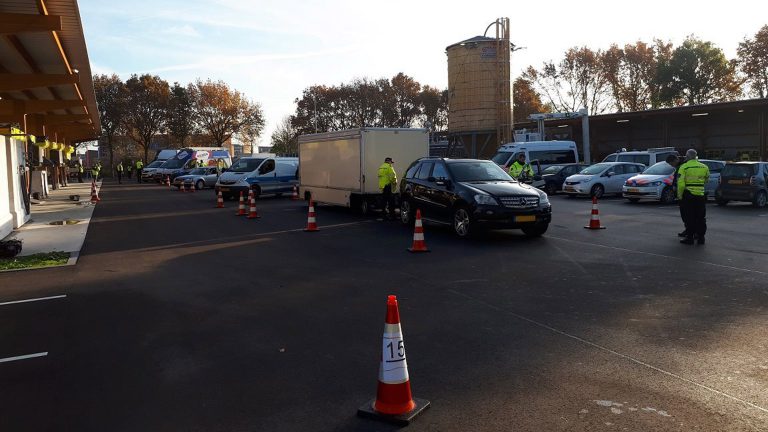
{"points": [[595, 169], [198, 171], [478, 171], [174, 163], [501, 157], [554, 169], [246, 165], [155, 164], [739, 170], [661, 168]]}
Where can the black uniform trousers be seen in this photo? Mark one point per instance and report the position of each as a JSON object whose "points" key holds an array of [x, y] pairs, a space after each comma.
{"points": [[120, 177], [389, 200], [693, 210], [138, 175]]}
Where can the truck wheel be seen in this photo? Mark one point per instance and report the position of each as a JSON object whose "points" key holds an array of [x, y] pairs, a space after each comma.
{"points": [[364, 206]]}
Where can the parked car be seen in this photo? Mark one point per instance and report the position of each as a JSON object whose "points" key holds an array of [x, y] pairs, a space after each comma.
{"points": [[715, 168], [263, 175], [200, 178], [743, 181], [464, 193], [656, 183], [602, 178], [148, 171], [648, 157], [554, 176], [548, 153]]}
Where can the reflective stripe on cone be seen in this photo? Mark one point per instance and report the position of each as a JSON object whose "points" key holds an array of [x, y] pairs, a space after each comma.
{"points": [[419, 245], [311, 222], [594, 221]]}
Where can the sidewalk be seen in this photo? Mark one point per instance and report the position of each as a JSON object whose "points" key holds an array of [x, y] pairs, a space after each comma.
{"points": [[40, 236]]}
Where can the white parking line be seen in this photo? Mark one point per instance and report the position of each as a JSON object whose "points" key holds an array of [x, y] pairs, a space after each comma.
{"points": [[23, 357], [33, 300]]}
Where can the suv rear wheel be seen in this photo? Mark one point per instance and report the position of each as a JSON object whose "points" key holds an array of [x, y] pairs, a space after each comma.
{"points": [[760, 199], [406, 212], [461, 221]]}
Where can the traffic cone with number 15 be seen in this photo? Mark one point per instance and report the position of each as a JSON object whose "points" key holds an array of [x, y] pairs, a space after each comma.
{"points": [[394, 402]]}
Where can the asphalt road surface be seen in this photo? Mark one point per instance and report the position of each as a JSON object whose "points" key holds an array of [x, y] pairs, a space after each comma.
{"points": [[183, 317]]}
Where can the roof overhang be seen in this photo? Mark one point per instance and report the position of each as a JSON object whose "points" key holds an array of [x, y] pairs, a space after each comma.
{"points": [[46, 85]]}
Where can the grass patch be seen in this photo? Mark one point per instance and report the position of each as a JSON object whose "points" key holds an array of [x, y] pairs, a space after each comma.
{"points": [[34, 261]]}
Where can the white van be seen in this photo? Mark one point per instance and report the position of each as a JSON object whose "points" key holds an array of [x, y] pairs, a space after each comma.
{"points": [[649, 157], [548, 153], [263, 174]]}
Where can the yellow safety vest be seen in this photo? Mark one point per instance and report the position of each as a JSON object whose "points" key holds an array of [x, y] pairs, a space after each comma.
{"points": [[693, 176], [387, 176], [120, 167], [517, 168], [139, 164]]}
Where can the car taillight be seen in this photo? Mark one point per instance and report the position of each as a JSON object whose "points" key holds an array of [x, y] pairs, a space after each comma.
{"points": [[753, 180]]}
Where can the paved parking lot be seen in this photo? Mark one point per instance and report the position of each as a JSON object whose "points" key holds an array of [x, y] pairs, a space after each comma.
{"points": [[181, 316]]}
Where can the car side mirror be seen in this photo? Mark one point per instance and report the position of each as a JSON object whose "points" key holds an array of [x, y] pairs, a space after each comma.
{"points": [[610, 174]]}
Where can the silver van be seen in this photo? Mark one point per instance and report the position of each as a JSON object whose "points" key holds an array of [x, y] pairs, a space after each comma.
{"points": [[263, 174]]}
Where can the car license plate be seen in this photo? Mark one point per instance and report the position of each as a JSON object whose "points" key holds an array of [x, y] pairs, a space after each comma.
{"points": [[633, 190], [529, 218], [735, 181], [570, 188], [224, 189]]}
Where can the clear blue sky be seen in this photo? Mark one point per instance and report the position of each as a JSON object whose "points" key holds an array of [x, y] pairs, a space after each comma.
{"points": [[271, 50]]}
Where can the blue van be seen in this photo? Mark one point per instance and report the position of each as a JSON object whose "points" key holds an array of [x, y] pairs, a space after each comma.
{"points": [[262, 174]]}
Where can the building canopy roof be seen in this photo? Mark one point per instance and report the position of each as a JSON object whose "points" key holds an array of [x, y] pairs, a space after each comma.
{"points": [[45, 73]]}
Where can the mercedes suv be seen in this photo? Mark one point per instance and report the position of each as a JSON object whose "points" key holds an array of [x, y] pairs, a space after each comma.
{"points": [[465, 193]]}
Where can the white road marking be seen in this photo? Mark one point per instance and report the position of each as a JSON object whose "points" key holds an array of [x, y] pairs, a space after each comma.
{"points": [[33, 300], [659, 255], [23, 357], [616, 353]]}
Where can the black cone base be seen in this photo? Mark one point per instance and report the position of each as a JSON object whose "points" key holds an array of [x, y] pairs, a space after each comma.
{"points": [[366, 411]]}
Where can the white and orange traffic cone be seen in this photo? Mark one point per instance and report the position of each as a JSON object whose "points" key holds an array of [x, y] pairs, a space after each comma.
{"points": [[241, 207], [311, 221], [418, 235], [594, 221], [394, 401], [219, 201], [252, 214], [295, 194], [94, 195], [168, 181]]}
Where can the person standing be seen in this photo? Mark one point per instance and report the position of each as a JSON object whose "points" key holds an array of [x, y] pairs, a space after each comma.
{"points": [[130, 169], [520, 170], [693, 175], [387, 182], [120, 172], [80, 170], [674, 161], [95, 171], [139, 168]]}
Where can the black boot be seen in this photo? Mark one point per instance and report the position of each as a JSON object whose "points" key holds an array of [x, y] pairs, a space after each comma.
{"points": [[683, 234], [687, 240]]}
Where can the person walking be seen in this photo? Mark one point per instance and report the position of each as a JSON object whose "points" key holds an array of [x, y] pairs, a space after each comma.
{"points": [[95, 171], [387, 182], [139, 168], [520, 170], [120, 172], [693, 175]]}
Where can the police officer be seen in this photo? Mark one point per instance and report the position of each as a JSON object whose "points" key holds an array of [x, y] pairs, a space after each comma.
{"points": [[387, 182], [95, 171], [200, 163], [80, 171], [693, 175], [139, 167], [130, 168], [120, 172], [520, 170]]}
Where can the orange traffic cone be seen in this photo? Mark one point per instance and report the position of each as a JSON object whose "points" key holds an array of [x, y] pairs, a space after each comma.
{"points": [[295, 194], [418, 235], [94, 195], [220, 201], [594, 222], [311, 221], [241, 207], [168, 181], [252, 214], [394, 402]]}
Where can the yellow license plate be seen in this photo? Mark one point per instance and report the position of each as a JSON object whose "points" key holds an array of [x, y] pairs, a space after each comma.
{"points": [[735, 181], [530, 218], [633, 190], [224, 189]]}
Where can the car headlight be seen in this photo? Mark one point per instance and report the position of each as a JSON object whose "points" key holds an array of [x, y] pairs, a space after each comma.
{"points": [[543, 200], [654, 184], [485, 200]]}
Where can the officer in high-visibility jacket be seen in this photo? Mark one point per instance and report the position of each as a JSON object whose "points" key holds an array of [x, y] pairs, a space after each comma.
{"points": [[139, 168], [387, 185], [120, 170], [693, 176], [519, 170]]}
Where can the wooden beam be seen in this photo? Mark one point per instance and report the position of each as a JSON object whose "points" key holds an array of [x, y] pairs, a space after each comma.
{"points": [[16, 107], [54, 119], [17, 82], [11, 23]]}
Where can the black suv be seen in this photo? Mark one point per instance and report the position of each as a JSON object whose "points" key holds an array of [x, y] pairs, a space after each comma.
{"points": [[470, 192]]}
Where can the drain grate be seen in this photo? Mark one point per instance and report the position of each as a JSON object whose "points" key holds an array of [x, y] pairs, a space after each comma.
{"points": [[64, 222]]}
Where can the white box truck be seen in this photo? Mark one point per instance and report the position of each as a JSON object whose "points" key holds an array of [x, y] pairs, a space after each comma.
{"points": [[342, 168]]}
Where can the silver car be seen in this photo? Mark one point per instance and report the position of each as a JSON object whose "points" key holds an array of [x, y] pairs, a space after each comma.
{"points": [[200, 178], [602, 178]]}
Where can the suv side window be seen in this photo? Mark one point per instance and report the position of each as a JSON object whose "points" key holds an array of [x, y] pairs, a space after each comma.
{"points": [[426, 169], [439, 171], [412, 170]]}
